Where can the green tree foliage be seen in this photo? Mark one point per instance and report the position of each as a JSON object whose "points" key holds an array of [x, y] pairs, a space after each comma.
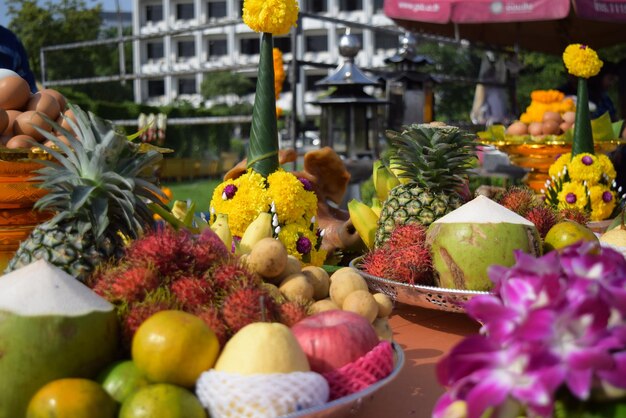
{"points": [[222, 83]]}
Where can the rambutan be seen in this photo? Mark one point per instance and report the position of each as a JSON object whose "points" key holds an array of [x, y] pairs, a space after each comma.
{"points": [[246, 305], [518, 199], [575, 215], [211, 316], [192, 292], [233, 275], [291, 312], [169, 250], [407, 235], [132, 284], [411, 265], [132, 316], [208, 249], [544, 217], [376, 262]]}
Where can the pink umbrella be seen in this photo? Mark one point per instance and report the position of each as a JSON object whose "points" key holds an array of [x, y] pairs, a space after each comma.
{"points": [[536, 25]]}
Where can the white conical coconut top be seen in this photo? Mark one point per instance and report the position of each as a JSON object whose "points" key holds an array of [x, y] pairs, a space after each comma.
{"points": [[482, 210], [41, 289]]}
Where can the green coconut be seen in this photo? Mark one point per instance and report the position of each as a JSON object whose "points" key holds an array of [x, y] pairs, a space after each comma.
{"points": [[51, 327], [468, 240]]}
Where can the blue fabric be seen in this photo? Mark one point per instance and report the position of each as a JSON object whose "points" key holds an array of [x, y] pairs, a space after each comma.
{"points": [[13, 57]]}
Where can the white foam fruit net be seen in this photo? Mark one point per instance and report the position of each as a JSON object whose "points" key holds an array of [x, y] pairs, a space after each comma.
{"points": [[229, 395]]}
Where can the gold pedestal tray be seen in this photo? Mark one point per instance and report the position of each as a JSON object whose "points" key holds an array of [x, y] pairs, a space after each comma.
{"points": [[538, 156], [18, 194]]}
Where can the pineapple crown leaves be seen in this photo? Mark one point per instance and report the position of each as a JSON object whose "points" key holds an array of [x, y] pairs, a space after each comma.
{"points": [[434, 157], [99, 178]]}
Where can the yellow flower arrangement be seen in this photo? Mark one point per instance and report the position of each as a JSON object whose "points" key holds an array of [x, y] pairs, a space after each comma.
{"points": [[279, 72], [607, 167], [572, 196], [581, 61], [546, 96], [270, 16], [585, 168], [603, 201], [556, 169], [289, 198]]}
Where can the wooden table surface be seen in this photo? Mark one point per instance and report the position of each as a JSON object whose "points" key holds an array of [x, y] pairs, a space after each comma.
{"points": [[425, 335]]}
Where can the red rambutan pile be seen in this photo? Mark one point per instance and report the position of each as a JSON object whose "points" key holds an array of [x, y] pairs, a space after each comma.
{"points": [[246, 305], [574, 215], [518, 199], [191, 292], [544, 218], [169, 250], [232, 275], [292, 312], [405, 257], [211, 316], [208, 250]]}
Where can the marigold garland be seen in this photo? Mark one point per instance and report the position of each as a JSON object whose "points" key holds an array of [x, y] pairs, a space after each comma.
{"points": [[279, 72], [270, 16], [581, 61], [543, 101], [288, 197]]}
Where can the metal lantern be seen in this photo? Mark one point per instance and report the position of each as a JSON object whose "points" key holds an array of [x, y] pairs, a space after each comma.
{"points": [[409, 91], [349, 117]]}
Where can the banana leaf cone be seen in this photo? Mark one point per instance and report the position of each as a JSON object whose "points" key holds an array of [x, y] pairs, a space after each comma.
{"points": [[263, 148], [583, 136]]}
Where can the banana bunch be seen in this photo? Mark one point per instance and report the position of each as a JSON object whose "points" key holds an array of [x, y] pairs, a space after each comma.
{"points": [[258, 229], [364, 218]]}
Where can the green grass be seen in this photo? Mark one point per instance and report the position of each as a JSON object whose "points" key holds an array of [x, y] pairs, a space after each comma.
{"points": [[199, 191]]}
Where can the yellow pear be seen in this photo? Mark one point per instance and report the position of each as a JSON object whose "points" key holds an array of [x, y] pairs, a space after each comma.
{"points": [[263, 348]]}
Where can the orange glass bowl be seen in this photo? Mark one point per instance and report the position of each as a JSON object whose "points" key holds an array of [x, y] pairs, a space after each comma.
{"points": [[18, 194]]}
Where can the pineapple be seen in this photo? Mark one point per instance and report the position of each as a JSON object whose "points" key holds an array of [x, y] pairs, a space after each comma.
{"points": [[434, 159], [97, 188]]}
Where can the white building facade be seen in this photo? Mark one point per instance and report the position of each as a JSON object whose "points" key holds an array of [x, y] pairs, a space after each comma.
{"points": [[173, 66]]}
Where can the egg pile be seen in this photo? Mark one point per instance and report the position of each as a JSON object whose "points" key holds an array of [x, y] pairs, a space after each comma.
{"points": [[21, 112], [552, 123]]}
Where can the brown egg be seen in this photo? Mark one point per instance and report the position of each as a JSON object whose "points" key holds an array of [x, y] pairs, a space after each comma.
{"points": [[14, 93], [550, 127], [569, 117], [535, 128], [12, 114], [553, 116], [517, 128], [20, 141], [4, 120], [44, 103], [58, 96], [565, 126], [4, 139], [26, 122]]}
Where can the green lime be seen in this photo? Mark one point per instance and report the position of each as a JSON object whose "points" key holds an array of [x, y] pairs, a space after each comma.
{"points": [[122, 379], [567, 233], [162, 400]]}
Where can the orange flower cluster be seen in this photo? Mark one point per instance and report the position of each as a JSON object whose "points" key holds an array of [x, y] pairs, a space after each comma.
{"points": [[546, 101]]}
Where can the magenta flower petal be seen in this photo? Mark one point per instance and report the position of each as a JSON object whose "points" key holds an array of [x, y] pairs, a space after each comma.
{"points": [[579, 383], [491, 391], [616, 376]]}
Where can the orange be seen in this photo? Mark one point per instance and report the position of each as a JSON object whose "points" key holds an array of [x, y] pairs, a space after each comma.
{"points": [[174, 347], [162, 401], [71, 398]]}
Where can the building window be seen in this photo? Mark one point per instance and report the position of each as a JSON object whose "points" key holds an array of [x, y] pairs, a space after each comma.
{"points": [[311, 79], [384, 40], [154, 13], [217, 9], [184, 11], [186, 86], [284, 44], [250, 46], [316, 43], [317, 6], [379, 5], [156, 88], [350, 5], [186, 49], [217, 47], [154, 50]]}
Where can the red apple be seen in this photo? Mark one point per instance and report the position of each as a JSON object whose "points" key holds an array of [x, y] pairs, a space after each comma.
{"points": [[332, 339]]}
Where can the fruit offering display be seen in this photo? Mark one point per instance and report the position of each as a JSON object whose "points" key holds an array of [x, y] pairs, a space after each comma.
{"points": [[549, 113], [583, 179]]}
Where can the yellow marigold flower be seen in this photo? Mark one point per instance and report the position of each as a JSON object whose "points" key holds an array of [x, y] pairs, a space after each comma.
{"points": [[556, 169], [603, 202], [270, 16], [573, 196], [289, 236], [607, 167], [293, 203], [242, 199], [279, 72], [585, 167], [581, 61]]}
